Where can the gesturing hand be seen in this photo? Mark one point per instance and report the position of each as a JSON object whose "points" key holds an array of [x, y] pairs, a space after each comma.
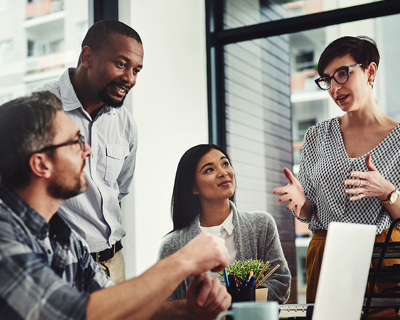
{"points": [[293, 192], [368, 184]]}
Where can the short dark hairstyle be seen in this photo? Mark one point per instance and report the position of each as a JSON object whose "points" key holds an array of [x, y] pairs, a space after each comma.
{"points": [[185, 206], [361, 48], [26, 125], [97, 36]]}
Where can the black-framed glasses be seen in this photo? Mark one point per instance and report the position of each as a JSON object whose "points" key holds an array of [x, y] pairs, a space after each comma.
{"points": [[81, 141], [341, 76]]}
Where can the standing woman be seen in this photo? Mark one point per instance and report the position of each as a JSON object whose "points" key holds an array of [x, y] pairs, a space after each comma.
{"points": [[349, 168], [203, 200]]}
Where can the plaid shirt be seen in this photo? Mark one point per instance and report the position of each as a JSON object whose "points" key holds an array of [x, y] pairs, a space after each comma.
{"points": [[46, 271]]}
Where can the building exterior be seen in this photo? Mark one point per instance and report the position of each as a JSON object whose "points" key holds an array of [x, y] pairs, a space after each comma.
{"points": [[39, 39]]}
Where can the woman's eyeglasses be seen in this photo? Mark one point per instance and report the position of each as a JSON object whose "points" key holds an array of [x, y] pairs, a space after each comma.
{"points": [[341, 76]]}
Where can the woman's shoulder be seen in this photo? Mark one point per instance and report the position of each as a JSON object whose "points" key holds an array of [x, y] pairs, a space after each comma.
{"points": [[178, 238], [257, 217], [170, 243], [169, 239], [322, 128]]}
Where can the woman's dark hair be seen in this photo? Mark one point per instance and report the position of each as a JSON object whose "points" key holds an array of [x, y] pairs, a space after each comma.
{"points": [[361, 48], [185, 206]]}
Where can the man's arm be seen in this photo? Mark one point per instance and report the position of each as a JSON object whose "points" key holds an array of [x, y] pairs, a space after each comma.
{"points": [[139, 298]]}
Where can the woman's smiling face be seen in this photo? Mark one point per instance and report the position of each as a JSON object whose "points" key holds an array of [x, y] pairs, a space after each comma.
{"points": [[214, 177]]}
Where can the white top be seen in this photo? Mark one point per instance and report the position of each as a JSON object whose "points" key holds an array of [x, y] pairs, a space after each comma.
{"points": [[225, 231]]}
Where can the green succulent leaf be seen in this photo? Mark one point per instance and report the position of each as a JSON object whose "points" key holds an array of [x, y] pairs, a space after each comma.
{"points": [[241, 268]]}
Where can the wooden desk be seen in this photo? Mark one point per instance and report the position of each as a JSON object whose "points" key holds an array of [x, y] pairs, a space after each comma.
{"points": [[388, 314]]}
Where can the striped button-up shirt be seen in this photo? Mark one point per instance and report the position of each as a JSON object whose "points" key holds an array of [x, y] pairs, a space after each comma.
{"points": [[96, 215], [46, 271]]}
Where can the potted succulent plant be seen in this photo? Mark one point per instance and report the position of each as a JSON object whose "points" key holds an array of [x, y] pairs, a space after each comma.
{"points": [[241, 270]]}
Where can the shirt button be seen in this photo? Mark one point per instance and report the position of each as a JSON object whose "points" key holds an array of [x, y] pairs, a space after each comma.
{"points": [[93, 155], [48, 251]]}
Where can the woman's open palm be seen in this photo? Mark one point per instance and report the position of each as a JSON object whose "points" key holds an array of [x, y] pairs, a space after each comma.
{"points": [[292, 192]]}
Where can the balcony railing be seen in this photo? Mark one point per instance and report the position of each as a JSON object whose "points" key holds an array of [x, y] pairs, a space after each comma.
{"points": [[39, 8], [44, 63]]}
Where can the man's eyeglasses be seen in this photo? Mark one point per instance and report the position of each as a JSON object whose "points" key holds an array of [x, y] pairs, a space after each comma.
{"points": [[81, 141], [341, 76]]}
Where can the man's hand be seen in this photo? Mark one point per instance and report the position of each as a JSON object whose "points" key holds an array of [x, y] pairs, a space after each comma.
{"points": [[203, 253], [206, 297]]}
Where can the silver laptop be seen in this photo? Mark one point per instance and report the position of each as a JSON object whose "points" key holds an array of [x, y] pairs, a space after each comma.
{"points": [[344, 271]]}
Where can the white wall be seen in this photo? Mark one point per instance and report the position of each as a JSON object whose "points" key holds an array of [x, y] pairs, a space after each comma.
{"points": [[169, 104]]}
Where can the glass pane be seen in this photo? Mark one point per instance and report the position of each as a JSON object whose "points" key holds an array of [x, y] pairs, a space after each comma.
{"points": [[239, 13], [43, 40], [272, 100], [258, 121]]}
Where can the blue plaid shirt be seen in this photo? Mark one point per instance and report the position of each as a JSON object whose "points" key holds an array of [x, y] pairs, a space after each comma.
{"points": [[46, 271]]}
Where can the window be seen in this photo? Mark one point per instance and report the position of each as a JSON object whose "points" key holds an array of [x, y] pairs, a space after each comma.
{"points": [[304, 60], [261, 74], [303, 126], [81, 28], [30, 48], [6, 51], [56, 46]]}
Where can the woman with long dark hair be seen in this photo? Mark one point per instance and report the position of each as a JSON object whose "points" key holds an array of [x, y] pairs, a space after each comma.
{"points": [[203, 200]]}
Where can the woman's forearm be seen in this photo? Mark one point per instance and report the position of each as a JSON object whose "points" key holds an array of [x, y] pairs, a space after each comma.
{"points": [[306, 211]]}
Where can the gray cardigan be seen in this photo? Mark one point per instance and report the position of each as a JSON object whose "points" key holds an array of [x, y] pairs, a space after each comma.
{"points": [[256, 237]]}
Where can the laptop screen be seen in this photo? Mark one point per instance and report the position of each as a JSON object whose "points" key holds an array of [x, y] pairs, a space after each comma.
{"points": [[344, 271]]}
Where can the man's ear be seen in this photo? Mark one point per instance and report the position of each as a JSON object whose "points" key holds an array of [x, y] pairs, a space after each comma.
{"points": [[40, 165], [86, 56]]}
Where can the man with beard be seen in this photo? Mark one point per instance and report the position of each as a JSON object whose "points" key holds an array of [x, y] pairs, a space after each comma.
{"points": [[46, 270], [92, 96]]}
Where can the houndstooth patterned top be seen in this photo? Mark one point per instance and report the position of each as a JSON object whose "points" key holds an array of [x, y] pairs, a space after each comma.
{"points": [[324, 165]]}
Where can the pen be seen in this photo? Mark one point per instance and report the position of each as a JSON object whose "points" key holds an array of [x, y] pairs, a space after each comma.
{"points": [[262, 271], [267, 276], [231, 279], [248, 277], [251, 282], [237, 282], [226, 278]]}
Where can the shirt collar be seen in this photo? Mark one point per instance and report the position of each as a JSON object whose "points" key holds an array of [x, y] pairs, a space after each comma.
{"points": [[68, 96], [36, 224], [227, 225]]}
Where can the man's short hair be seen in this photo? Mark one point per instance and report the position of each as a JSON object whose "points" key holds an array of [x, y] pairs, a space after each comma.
{"points": [[26, 125], [97, 36]]}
